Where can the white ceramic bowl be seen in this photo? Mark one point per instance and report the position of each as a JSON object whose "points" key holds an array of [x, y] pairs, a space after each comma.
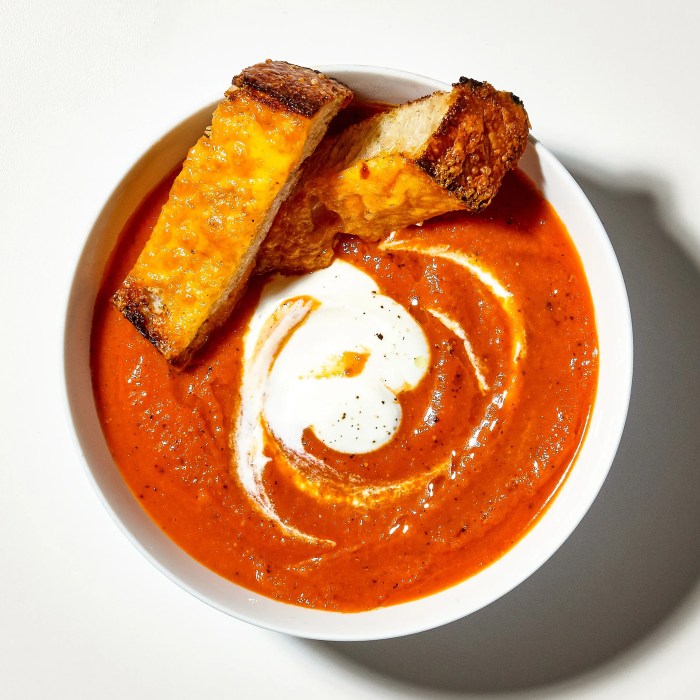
{"points": [[569, 505]]}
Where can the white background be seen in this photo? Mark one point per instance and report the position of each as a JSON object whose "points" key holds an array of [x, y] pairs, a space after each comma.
{"points": [[611, 87]]}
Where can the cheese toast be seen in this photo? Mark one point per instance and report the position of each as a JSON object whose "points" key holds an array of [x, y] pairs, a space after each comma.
{"points": [[444, 152], [203, 247]]}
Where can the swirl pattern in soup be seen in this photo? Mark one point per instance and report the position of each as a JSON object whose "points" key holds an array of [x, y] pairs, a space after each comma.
{"points": [[370, 433]]}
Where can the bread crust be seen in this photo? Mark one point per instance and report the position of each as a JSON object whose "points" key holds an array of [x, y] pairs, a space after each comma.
{"points": [[298, 89], [481, 137], [203, 246]]}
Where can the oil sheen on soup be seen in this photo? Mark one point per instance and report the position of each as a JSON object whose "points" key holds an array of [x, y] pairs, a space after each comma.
{"points": [[370, 433]]}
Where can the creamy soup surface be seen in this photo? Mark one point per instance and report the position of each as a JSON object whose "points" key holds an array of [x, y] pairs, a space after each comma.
{"points": [[370, 433]]}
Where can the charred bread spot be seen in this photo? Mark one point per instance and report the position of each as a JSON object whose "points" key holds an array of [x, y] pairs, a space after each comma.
{"points": [[137, 305], [301, 90], [469, 81]]}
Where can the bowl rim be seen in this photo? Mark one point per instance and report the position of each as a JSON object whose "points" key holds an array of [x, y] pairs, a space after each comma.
{"points": [[438, 608]]}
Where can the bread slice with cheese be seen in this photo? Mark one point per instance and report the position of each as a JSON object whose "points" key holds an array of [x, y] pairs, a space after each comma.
{"points": [[444, 152], [203, 247]]}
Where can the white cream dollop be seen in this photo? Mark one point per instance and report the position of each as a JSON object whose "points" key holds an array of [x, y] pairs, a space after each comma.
{"points": [[307, 386], [311, 386]]}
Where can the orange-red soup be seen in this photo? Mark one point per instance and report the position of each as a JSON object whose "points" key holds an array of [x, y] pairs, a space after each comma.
{"points": [[506, 449]]}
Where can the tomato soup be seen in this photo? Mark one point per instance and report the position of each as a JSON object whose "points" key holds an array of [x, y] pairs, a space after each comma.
{"points": [[356, 462]]}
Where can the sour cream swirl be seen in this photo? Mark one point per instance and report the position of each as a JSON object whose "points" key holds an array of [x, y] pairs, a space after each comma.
{"points": [[329, 353]]}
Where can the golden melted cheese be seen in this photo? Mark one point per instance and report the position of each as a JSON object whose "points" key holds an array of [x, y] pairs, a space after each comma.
{"points": [[206, 235], [368, 198]]}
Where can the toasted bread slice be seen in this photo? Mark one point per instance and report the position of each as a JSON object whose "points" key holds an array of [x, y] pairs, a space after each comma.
{"points": [[203, 246], [441, 153]]}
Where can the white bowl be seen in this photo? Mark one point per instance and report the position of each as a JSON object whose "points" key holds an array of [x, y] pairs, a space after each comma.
{"points": [[553, 528]]}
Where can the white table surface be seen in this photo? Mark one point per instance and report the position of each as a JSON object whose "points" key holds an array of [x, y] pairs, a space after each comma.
{"points": [[611, 87]]}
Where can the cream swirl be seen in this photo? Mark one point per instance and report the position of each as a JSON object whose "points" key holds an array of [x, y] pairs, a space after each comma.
{"points": [[327, 352]]}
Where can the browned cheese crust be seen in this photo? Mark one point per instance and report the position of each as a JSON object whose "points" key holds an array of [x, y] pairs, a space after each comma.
{"points": [[298, 89]]}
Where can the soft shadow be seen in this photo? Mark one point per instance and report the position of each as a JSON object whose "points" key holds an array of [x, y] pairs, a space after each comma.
{"points": [[635, 557]]}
